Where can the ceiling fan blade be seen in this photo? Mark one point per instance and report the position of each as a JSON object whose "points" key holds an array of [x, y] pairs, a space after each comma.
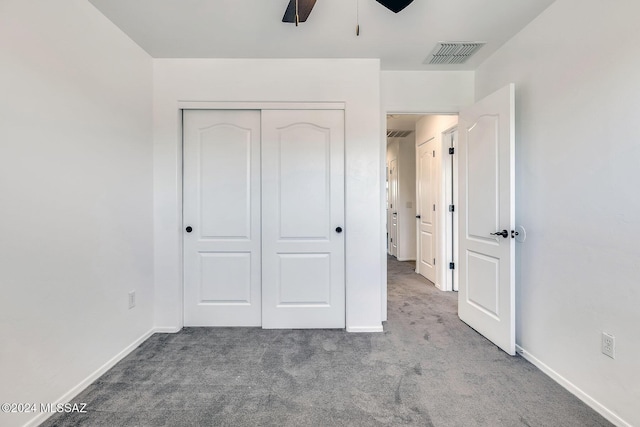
{"points": [[395, 5], [304, 9]]}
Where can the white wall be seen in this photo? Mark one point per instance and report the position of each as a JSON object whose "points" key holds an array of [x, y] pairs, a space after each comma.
{"points": [[427, 128], [406, 203], [426, 91], [577, 157], [354, 82], [76, 189], [403, 150]]}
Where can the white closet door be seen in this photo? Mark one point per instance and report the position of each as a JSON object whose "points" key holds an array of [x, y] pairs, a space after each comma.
{"points": [[303, 219], [222, 218]]}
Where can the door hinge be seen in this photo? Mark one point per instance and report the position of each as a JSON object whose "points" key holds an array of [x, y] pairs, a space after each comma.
{"points": [[434, 153], [452, 150], [434, 261], [392, 240], [452, 208], [434, 207], [452, 266]]}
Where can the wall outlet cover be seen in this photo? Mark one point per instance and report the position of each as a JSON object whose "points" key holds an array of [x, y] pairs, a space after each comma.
{"points": [[608, 345], [132, 299]]}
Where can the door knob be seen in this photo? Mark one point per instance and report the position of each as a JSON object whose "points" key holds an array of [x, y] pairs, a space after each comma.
{"points": [[338, 229], [418, 216], [503, 233], [188, 229]]}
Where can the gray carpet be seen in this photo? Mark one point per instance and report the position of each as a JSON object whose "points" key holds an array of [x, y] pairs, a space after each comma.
{"points": [[427, 369]]}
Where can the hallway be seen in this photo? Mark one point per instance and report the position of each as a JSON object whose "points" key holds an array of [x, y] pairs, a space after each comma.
{"points": [[427, 368]]}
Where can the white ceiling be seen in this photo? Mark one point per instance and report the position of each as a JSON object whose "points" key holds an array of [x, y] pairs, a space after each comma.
{"points": [[253, 28]]}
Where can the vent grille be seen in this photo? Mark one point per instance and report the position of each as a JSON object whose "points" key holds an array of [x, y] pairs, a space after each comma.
{"points": [[453, 52], [392, 133]]}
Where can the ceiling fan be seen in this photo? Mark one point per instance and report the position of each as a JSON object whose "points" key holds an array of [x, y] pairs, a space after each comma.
{"points": [[299, 10]]}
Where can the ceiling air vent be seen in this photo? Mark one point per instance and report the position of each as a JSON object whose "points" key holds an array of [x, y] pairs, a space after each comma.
{"points": [[392, 133], [453, 52]]}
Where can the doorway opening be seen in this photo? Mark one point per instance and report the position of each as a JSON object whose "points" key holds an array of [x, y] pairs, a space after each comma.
{"points": [[421, 194]]}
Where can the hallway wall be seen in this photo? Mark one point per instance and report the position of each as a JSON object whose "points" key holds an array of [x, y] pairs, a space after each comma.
{"points": [[427, 128], [403, 149]]}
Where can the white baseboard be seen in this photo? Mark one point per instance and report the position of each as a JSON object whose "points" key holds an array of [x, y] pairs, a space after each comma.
{"points": [[365, 329], [71, 394], [166, 330], [405, 259], [573, 389], [440, 287]]}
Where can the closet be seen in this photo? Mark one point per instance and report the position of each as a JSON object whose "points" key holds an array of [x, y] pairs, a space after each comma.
{"points": [[263, 210]]}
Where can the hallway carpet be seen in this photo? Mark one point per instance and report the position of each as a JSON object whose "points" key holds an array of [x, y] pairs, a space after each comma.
{"points": [[426, 369]]}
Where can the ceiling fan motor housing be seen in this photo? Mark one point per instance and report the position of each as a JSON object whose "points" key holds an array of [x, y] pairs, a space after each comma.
{"points": [[395, 5]]}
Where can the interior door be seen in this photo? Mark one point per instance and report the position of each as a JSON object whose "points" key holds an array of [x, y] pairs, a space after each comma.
{"points": [[426, 210], [303, 219], [393, 202], [486, 197], [221, 218]]}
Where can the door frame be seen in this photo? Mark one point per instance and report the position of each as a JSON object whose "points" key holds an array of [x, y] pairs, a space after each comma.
{"points": [[384, 112], [449, 185], [233, 105]]}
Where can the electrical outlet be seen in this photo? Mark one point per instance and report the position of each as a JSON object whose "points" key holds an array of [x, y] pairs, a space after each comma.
{"points": [[609, 345], [132, 299]]}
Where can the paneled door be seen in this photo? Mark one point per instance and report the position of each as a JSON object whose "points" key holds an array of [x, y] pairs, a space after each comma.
{"points": [[222, 259], [426, 189], [303, 283], [486, 299]]}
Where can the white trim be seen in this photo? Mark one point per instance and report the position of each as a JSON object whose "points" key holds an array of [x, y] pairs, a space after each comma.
{"points": [[573, 389], [405, 259], [249, 105], [449, 228], [166, 330], [365, 329], [71, 394]]}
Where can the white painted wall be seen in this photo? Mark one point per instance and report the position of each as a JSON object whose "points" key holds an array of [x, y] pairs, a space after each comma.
{"points": [[407, 198], [355, 82], [577, 160], [426, 91], [427, 128], [76, 185], [403, 149]]}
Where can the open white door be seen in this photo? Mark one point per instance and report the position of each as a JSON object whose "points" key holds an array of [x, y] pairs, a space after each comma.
{"points": [[486, 299], [303, 283], [427, 193]]}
